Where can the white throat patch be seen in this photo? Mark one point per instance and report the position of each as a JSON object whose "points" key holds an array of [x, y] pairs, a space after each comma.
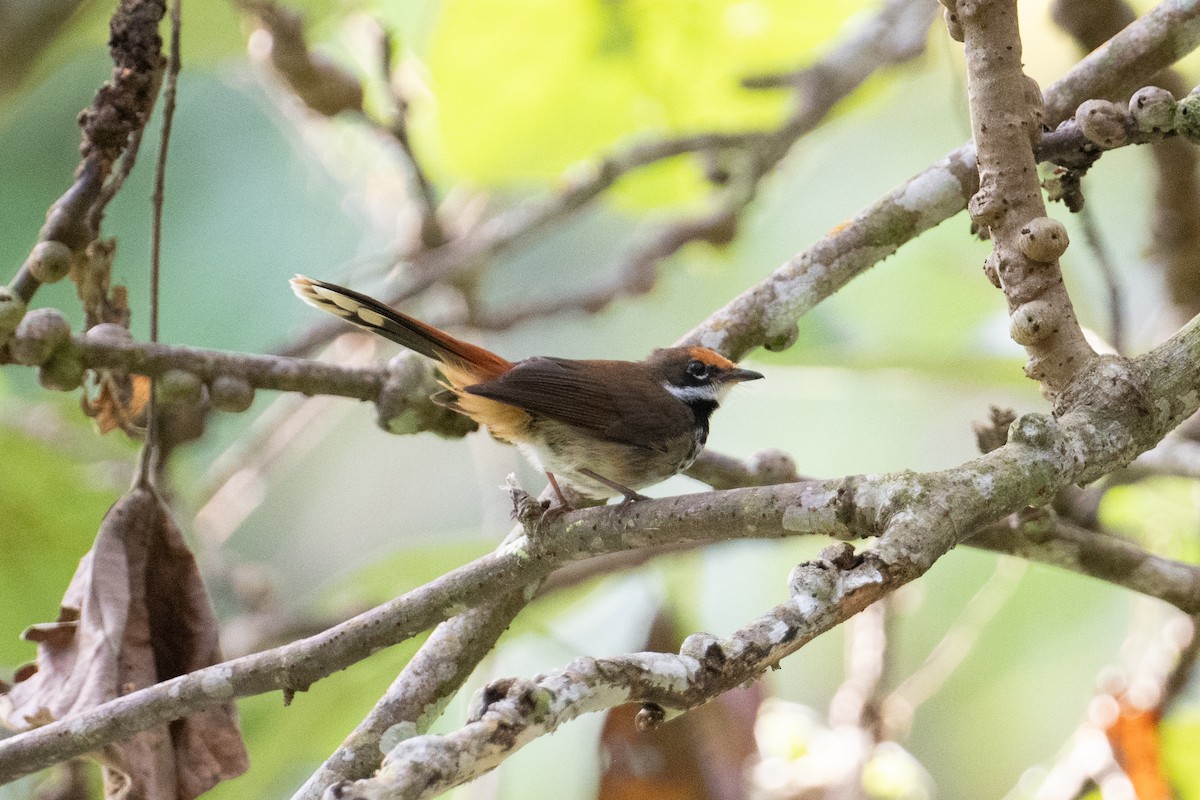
{"points": [[687, 394]]}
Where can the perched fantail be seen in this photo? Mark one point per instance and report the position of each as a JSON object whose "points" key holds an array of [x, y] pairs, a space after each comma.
{"points": [[603, 427]]}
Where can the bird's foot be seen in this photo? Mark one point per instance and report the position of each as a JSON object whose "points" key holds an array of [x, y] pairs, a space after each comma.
{"points": [[627, 495], [552, 512]]}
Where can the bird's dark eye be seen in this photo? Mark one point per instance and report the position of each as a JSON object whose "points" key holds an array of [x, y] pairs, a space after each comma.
{"points": [[697, 369]]}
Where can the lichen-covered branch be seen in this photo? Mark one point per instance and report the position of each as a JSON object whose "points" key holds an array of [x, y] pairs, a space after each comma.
{"points": [[1006, 118], [416, 698], [918, 517], [1060, 543], [765, 315], [111, 125]]}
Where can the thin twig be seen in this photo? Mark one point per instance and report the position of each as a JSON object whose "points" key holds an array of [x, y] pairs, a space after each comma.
{"points": [[896, 34], [420, 187], [157, 200], [413, 701], [918, 518]]}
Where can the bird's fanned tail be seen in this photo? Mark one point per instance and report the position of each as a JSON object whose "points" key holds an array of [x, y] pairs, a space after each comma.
{"points": [[366, 312]]}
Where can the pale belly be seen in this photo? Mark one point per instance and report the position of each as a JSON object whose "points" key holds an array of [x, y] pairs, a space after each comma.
{"points": [[565, 454]]}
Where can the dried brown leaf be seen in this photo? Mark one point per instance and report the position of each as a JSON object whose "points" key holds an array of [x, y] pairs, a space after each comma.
{"points": [[135, 613], [119, 401], [92, 275]]}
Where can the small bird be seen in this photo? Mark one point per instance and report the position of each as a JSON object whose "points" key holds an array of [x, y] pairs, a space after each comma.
{"points": [[602, 427]]}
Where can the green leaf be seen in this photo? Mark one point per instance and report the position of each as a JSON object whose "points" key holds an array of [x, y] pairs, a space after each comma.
{"points": [[1180, 744], [524, 90], [1161, 513]]}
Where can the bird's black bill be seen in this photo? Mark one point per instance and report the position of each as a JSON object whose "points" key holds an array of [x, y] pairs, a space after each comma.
{"points": [[738, 375]]}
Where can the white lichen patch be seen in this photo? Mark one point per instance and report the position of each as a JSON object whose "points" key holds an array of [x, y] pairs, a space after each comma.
{"points": [[401, 731], [856, 579], [778, 632], [675, 670], [733, 647], [215, 682], [934, 195], [572, 692], [446, 670], [820, 521], [714, 339], [887, 492], [807, 604], [984, 484], [518, 547], [795, 289]]}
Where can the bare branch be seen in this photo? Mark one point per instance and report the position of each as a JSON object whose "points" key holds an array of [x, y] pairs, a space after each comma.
{"points": [[111, 126], [1006, 117], [765, 315], [421, 189], [919, 517], [414, 700], [1099, 555], [895, 35]]}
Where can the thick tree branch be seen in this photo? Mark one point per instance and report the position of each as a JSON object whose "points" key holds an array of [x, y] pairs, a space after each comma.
{"points": [[919, 517], [918, 526], [1006, 118], [765, 315], [415, 699]]}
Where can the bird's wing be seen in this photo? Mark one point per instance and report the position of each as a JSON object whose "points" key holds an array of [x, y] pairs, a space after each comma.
{"points": [[613, 400]]}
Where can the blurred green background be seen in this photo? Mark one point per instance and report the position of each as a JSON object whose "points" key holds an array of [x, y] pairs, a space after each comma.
{"points": [[886, 375]]}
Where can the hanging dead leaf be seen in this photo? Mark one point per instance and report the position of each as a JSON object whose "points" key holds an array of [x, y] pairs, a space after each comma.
{"points": [[135, 613], [92, 274]]}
